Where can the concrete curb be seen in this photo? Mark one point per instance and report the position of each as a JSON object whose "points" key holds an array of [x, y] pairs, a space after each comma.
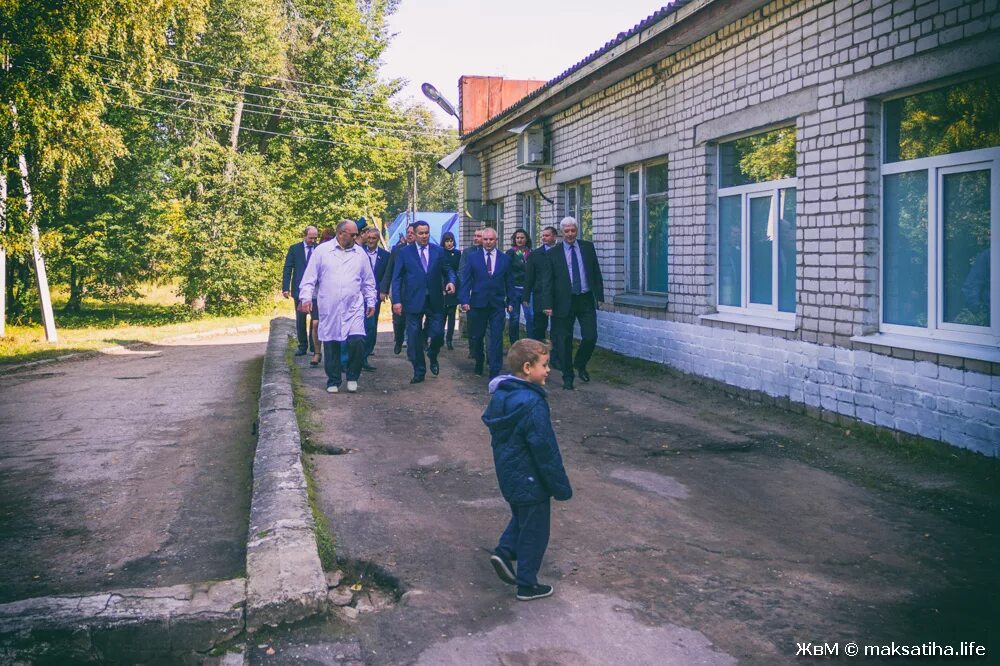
{"points": [[285, 580], [124, 625], [75, 356]]}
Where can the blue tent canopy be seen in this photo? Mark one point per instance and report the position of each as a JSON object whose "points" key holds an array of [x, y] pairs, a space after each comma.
{"points": [[439, 223]]}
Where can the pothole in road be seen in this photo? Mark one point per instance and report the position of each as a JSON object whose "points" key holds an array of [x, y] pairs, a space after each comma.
{"points": [[358, 587], [327, 449]]}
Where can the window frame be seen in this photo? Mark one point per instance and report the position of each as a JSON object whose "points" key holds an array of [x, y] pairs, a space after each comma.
{"points": [[531, 215], [772, 188], [937, 167], [573, 188], [643, 198]]}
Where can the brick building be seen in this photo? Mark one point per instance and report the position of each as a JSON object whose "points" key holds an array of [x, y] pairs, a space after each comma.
{"points": [[795, 198]]}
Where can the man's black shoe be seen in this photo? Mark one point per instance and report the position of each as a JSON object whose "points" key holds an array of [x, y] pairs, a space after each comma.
{"points": [[416, 379], [568, 384], [397, 348], [435, 368], [504, 569], [368, 366], [584, 375], [533, 592], [479, 369], [301, 352], [451, 346]]}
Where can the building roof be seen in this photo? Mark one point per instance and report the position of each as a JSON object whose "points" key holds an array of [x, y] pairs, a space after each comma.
{"points": [[653, 18]]}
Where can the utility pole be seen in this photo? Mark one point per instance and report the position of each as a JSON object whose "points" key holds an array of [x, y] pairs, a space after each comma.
{"points": [[43, 280], [415, 209]]}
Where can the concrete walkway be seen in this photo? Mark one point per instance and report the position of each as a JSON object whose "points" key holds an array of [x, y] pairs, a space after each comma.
{"points": [[128, 470], [703, 530]]}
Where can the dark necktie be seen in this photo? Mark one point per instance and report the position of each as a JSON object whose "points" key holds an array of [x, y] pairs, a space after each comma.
{"points": [[489, 263], [309, 253], [574, 271]]}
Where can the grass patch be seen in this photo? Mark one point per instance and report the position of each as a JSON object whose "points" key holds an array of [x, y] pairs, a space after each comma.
{"points": [[157, 314], [325, 543]]}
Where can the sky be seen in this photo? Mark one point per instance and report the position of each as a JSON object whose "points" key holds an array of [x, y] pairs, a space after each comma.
{"points": [[439, 40]]}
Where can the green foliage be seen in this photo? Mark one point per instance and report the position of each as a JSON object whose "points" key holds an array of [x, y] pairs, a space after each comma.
{"points": [[768, 156], [224, 236]]}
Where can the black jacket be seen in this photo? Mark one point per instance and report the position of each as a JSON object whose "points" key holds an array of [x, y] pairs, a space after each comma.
{"points": [[518, 264], [538, 279], [295, 267], [562, 287]]}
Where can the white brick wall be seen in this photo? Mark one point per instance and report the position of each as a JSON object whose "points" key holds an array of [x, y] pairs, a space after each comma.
{"points": [[810, 50], [959, 407]]}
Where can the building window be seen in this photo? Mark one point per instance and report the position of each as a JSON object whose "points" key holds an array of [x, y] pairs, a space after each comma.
{"points": [[646, 228], [756, 199], [493, 218], [577, 199], [531, 216], [940, 200]]}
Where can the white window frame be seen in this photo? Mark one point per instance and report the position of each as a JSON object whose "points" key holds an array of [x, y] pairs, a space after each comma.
{"points": [[573, 189], [531, 214], [936, 167], [747, 192], [641, 197]]}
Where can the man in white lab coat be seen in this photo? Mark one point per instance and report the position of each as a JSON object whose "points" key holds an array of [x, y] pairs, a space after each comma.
{"points": [[340, 278]]}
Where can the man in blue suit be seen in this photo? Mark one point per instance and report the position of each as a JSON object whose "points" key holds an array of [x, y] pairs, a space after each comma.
{"points": [[486, 293], [295, 266], [420, 278], [379, 260]]}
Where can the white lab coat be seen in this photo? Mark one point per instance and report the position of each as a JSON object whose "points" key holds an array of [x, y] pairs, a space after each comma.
{"points": [[343, 284]]}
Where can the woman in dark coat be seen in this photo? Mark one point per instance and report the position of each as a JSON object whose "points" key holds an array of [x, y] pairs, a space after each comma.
{"points": [[520, 250], [452, 256]]}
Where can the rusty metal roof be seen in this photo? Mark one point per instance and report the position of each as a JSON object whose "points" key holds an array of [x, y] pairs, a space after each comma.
{"points": [[621, 37]]}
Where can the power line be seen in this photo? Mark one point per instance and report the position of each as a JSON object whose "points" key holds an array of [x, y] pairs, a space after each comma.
{"points": [[290, 136], [268, 113], [327, 105]]}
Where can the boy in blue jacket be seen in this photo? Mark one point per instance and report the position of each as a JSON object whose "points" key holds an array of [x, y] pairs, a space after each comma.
{"points": [[529, 466]]}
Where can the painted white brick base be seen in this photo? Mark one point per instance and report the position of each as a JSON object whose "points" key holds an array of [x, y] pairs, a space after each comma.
{"points": [[956, 406]]}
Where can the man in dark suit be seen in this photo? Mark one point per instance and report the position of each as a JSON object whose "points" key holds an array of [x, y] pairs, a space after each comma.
{"points": [[295, 265], [379, 260], [385, 288], [477, 244], [577, 288], [420, 277], [538, 289], [487, 293]]}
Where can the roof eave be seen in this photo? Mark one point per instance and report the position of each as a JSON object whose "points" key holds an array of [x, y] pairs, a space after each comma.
{"points": [[673, 32]]}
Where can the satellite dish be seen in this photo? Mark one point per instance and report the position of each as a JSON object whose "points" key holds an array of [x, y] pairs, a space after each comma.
{"points": [[431, 93]]}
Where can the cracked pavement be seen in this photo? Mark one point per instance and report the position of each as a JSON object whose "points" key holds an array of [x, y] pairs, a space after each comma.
{"points": [[702, 529], [129, 469]]}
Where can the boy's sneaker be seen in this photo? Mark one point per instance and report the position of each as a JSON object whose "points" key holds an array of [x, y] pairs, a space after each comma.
{"points": [[333, 389], [352, 387], [504, 569], [533, 592]]}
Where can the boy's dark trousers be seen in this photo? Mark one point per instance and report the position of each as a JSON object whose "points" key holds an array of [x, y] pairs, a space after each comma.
{"points": [[525, 540]]}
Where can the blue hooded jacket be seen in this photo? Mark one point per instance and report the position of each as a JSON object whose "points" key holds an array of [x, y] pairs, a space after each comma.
{"points": [[525, 453]]}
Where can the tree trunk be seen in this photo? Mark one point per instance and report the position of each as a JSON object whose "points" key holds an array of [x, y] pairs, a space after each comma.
{"points": [[75, 302], [234, 137]]}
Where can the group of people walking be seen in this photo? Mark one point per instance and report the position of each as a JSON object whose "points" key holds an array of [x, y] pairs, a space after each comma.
{"points": [[343, 281]]}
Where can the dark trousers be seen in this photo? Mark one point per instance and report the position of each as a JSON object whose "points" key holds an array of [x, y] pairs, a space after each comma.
{"points": [[525, 540], [514, 319], [333, 363], [398, 327], [421, 327], [449, 323], [540, 331], [302, 323], [371, 329], [583, 309], [487, 322]]}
